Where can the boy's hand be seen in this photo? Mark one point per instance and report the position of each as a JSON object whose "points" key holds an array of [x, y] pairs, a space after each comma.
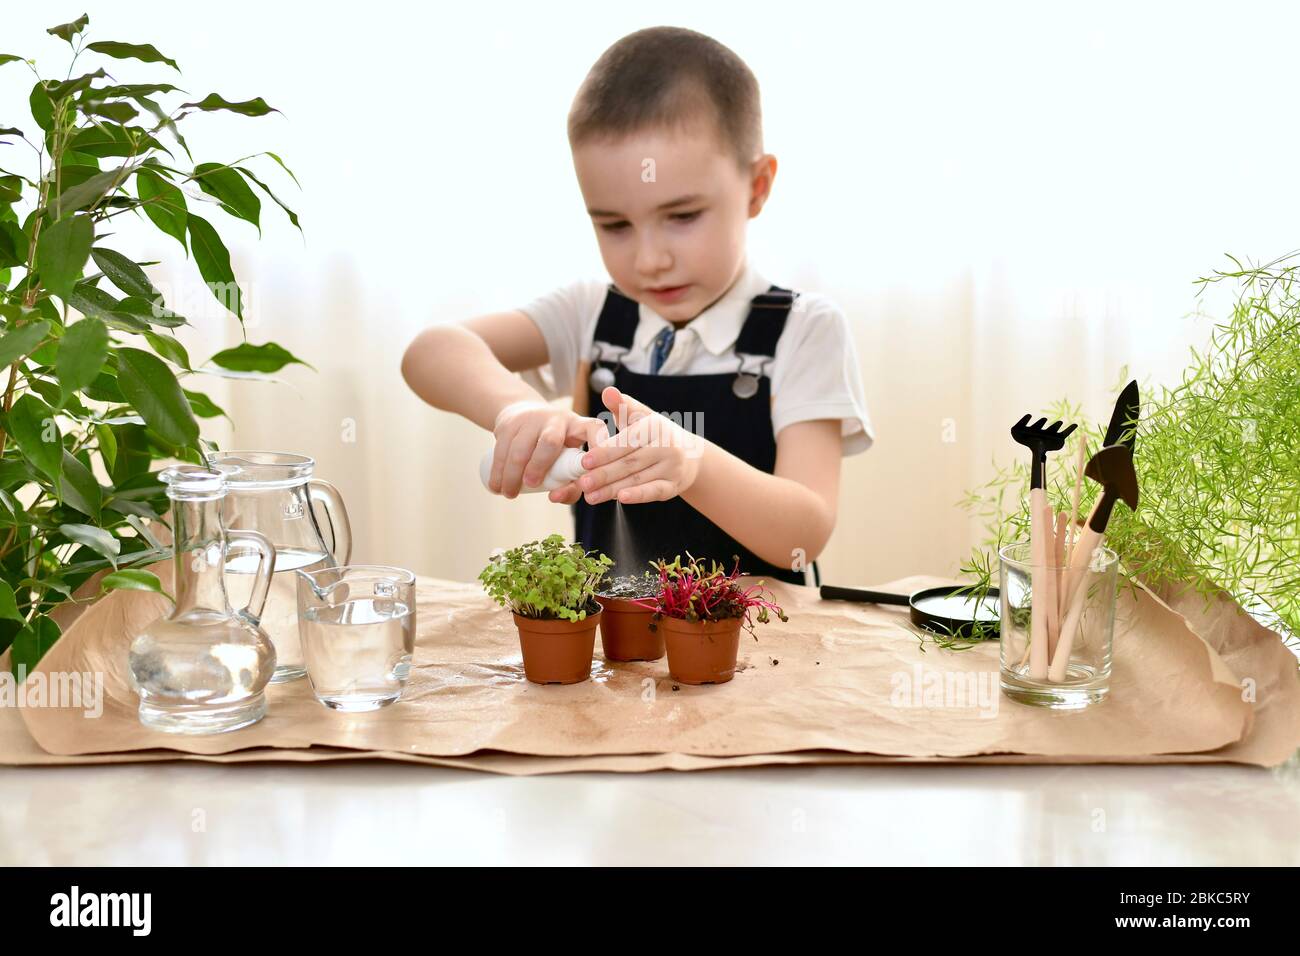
{"points": [[530, 436], [650, 459]]}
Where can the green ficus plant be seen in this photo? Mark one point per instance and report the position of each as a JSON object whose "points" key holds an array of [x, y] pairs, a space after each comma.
{"points": [[1217, 459], [96, 383], [550, 579]]}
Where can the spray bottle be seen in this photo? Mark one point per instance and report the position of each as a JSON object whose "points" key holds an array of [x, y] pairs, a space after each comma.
{"points": [[567, 468]]}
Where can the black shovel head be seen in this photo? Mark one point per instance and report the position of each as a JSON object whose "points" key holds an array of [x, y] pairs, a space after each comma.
{"points": [[1112, 468]]}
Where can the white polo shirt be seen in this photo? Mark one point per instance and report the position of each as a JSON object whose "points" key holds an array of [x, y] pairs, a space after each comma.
{"points": [[814, 373]]}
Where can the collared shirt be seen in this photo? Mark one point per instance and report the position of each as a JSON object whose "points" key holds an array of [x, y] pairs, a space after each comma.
{"points": [[814, 373]]}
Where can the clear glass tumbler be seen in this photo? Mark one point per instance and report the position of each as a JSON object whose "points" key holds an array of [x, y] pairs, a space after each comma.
{"points": [[357, 628], [1073, 669]]}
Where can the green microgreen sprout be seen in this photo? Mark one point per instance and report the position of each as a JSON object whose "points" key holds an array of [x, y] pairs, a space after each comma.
{"points": [[550, 579]]}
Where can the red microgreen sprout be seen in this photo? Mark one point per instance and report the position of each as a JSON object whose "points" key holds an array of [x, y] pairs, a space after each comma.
{"points": [[692, 592]]}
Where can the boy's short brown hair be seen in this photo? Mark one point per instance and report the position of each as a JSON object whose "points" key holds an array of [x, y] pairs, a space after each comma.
{"points": [[667, 77]]}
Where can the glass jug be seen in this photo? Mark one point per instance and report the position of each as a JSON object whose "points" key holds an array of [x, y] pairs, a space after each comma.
{"points": [[203, 668], [273, 493]]}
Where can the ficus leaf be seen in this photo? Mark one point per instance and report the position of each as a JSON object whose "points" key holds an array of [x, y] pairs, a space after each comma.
{"points": [[12, 514], [123, 273], [79, 488], [32, 424], [144, 52], [90, 191], [62, 90], [8, 251], [71, 156], [135, 90], [50, 391], [74, 406], [169, 348], [42, 107], [285, 168], [46, 308], [67, 31], [82, 352], [254, 107], [246, 357], [107, 445], [8, 606], [70, 175], [205, 407], [61, 252], [13, 244], [164, 204], [131, 579], [14, 473], [50, 582], [213, 260], [150, 386], [165, 122], [150, 310], [90, 300], [118, 112], [30, 645], [226, 185], [21, 341], [109, 139], [97, 539], [293, 216], [104, 388]]}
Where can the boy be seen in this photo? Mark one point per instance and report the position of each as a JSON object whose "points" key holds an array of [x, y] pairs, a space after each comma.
{"points": [[757, 389]]}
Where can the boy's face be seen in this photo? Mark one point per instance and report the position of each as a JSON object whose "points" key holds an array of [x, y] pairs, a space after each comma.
{"points": [[670, 209]]}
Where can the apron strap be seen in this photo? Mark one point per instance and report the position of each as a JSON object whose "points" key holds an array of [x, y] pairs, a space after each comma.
{"points": [[618, 320], [616, 326], [765, 322]]}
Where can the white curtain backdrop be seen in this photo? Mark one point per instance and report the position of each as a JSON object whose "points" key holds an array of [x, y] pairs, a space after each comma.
{"points": [[1010, 201]]}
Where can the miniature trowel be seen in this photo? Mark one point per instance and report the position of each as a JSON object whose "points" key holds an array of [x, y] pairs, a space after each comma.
{"points": [[1112, 468]]}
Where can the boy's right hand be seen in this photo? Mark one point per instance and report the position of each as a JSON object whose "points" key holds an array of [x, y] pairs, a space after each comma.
{"points": [[530, 435]]}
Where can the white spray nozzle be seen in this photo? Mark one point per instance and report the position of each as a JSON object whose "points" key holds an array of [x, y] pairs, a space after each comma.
{"points": [[567, 468]]}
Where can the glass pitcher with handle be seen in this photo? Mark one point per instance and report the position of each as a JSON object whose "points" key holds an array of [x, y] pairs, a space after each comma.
{"points": [[274, 494], [202, 669]]}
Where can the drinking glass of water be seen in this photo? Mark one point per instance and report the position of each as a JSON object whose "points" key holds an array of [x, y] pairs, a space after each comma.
{"points": [[357, 627]]}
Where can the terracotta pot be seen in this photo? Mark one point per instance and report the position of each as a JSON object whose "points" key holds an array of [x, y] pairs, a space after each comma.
{"points": [[557, 652], [701, 652], [625, 631]]}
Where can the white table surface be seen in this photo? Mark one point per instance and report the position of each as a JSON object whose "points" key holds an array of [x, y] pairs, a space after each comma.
{"points": [[372, 812]]}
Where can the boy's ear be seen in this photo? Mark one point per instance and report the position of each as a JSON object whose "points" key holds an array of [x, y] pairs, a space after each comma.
{"points": [[762, 173]]}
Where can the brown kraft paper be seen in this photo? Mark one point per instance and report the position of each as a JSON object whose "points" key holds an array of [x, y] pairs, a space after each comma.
{"points": [[839, 682]]}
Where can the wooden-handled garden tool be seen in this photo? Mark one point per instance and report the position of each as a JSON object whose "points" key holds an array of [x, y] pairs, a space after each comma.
{"points": [[1122, 430], [1112, 468], [1040, 440]]}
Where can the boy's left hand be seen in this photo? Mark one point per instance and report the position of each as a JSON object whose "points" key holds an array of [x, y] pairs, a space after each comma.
{"points": [[651, 458]]}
